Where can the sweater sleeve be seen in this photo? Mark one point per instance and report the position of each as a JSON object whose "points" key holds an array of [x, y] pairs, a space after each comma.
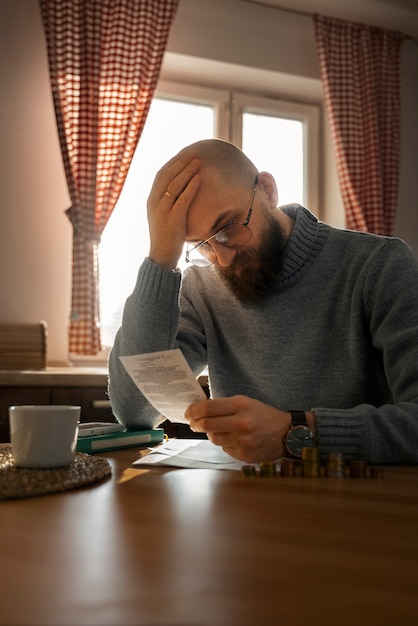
{"points": [[149, 323], [387, 433]]}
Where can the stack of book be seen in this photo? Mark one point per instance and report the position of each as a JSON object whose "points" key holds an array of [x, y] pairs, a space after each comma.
{"points": [[22, 346], [119, 440]]}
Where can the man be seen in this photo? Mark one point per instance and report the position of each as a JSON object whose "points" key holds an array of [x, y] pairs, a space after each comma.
{"points": [[310, 333]]}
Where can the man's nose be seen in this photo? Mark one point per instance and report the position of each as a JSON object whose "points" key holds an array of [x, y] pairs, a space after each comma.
{"points": [[225, 255]]}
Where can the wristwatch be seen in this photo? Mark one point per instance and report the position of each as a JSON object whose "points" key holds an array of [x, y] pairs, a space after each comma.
{"points": [[299, 436]]}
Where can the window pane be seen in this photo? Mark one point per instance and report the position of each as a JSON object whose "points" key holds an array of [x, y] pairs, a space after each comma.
{"points": [[170, 126], [275, 145]]}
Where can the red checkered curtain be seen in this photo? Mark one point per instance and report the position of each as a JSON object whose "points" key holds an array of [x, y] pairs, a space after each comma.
{"points": [[360, 70], [104, 58]]}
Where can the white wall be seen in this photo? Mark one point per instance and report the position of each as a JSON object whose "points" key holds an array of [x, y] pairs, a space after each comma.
{"points": [[34, 232], [223, 42]]}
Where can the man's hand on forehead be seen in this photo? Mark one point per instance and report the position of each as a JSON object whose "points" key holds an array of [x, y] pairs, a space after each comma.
{"points": [[174, 188]]}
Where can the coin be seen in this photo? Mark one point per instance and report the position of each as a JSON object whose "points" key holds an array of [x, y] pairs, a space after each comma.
{"points": [[288, 467], [357, 469], [268, 469], [249, 470], [310, 470], [335, 467], [310, 454], [310, 462], [376, 472]]}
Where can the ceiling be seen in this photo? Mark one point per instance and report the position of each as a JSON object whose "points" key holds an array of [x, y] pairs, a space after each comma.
{"points": [[392, 14]]}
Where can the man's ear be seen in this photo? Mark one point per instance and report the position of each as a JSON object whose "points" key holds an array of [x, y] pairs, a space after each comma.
{"points": [[267, 184]]}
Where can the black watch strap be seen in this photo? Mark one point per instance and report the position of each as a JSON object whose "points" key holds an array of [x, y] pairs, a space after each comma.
{"points": [[298, 418]]}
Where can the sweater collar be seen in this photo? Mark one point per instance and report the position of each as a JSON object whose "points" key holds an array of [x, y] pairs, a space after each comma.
{"points": [[305, 242]]}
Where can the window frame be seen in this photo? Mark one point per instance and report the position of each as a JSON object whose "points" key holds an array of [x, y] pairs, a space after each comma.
{"points": [[219, 99]]}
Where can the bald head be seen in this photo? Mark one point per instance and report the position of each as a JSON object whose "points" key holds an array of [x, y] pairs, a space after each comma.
{"points": [[226, 159]]}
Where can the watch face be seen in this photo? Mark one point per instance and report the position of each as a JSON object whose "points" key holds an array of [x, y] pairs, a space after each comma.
{"points": [[298, 438]]}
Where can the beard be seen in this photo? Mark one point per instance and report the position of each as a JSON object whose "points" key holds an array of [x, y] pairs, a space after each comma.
{"points": [[253, 273]]}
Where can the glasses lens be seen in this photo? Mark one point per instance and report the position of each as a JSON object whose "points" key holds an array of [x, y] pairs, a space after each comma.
{"points": [[233, 235], [201, 256]]}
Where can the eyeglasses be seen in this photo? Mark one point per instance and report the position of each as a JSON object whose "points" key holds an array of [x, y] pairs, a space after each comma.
{"points": [[232, 235]]}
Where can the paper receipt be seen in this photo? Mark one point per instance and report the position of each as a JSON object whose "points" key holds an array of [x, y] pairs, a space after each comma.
{"points": [[166, 380]]}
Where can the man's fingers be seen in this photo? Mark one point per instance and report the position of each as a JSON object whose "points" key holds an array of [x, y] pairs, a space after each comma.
{"points": [[218, 407], [174, 177]]}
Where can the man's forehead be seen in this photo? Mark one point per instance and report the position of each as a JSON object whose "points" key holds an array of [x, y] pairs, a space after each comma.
{"points": [[212, 207]]}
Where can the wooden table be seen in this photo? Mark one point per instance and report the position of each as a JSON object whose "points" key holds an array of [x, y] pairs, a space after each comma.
{"points": [[205, 547]]}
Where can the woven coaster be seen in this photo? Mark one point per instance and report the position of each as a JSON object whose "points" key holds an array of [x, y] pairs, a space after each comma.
{"points": [[17, 482]]}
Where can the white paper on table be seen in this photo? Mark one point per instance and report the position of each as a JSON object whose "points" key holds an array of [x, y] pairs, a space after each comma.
{"points": [[190, 453], [166, 380]]}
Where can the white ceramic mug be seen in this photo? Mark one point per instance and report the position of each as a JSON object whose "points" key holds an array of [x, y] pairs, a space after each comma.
{"points": [[43, 435]]}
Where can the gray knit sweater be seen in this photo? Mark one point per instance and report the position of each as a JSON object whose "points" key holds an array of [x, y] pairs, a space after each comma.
{"points": [[338, 335]]}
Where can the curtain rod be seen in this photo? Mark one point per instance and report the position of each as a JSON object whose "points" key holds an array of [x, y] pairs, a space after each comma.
{"points": [[304, 13]]}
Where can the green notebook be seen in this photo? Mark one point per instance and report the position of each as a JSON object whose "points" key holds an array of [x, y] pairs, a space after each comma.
{"points": [[117, 441]]}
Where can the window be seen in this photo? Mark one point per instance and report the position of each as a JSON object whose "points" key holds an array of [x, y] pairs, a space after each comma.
{"points": [[283, 139], [279, 137]]}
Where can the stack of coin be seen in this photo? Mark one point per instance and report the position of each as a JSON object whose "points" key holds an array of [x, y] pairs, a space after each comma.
{"points": [[249, 470], [376, 472], [288, 467], [335, 465], [357, 469], [268, 469], [310, 462]]}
